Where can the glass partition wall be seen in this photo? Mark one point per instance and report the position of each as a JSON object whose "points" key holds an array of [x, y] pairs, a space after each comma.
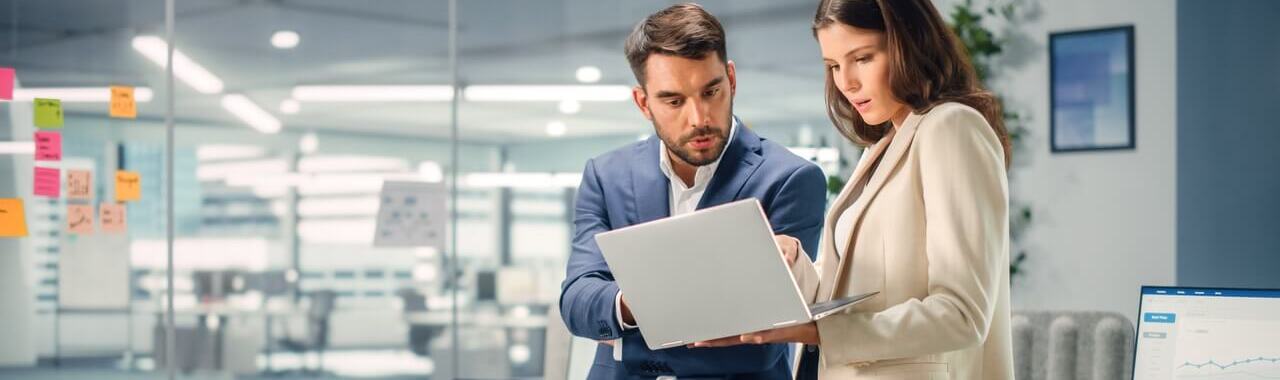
{"points": [[358, 189]]}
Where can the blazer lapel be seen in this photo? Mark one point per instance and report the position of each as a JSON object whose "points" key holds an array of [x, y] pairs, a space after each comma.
{"points": [[893, 150], [738, 162], [651, 189], [851, 191]]}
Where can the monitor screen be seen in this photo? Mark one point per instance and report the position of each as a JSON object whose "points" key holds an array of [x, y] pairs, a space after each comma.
{"points": [[1204, 333], [486, 285]]}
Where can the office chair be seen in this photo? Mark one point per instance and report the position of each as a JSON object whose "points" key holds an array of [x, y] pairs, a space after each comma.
{"points": [[419, 336]]}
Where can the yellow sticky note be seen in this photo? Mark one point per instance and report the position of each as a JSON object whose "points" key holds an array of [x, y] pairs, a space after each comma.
{"points": [[128, 186], [79, 184], [112, 217], [48, 113], [13, 220], [123, 104], [80, 219]]}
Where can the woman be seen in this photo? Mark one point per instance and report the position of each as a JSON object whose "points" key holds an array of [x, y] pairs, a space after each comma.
{"points": [[923, 219]]}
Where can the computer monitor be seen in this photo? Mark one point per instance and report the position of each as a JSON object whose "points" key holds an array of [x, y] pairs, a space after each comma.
{"points": [[486, 286], [1207, 333]]}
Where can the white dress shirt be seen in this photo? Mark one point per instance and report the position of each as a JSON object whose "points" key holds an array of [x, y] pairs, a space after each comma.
{"points": [[684, 200]]}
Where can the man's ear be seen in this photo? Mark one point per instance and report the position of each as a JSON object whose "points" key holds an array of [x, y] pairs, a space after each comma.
{"points": [[733, 77], [642, 101]]}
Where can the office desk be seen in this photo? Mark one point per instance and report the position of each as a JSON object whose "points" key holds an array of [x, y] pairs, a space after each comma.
{"points": [[224, 312]]}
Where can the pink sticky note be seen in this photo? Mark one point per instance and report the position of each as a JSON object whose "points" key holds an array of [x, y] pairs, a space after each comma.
{"points": [[6, 83], [48, 146], [48, 182], [80, 219], [112, 217]]}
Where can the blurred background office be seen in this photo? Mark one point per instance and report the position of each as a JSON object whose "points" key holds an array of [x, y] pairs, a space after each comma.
{"points": [[289, 115]]}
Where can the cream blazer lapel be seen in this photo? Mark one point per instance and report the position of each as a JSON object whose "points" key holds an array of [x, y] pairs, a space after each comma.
{"points": [[893, 147]]}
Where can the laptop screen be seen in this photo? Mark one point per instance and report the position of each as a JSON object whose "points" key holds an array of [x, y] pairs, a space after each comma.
{"points": [[1202, 333]]}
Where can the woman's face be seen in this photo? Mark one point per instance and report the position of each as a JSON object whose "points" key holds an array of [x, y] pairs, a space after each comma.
{"points": [[859, 65]]}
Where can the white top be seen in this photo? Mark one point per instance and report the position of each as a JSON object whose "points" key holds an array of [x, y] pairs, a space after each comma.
{"points": [[845, 223], [684, 200]]}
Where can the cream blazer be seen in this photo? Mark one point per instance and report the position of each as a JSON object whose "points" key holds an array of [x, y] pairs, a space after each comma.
{"points": [[932, 236]]}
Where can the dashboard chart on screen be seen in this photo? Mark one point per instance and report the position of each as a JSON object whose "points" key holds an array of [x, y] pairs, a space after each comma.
{"points": [[1196, 333]]}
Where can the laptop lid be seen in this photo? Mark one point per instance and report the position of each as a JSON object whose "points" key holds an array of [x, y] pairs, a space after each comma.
{"points": [[709, 274]]}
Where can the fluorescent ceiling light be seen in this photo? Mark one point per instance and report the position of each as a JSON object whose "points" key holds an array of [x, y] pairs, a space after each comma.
{"points": [[570, 106], [220, 152], [339, 231], [406, 93], [351, 163], [244, 109], [17, 147], [523, 180], [311, 207], [77, 94], [203, 253], [553, 93], [588, 74], [285, 39], [251, 169], [187, 70], [817, 154]]}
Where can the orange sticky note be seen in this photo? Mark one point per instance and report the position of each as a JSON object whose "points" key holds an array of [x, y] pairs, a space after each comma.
{"points": [[79, 184], [128, 186], [112, 217], [13, 220], [80, 219], [123, 104]]}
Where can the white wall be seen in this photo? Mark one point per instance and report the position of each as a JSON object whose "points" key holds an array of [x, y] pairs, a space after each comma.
{"points": [[1104, 221]]}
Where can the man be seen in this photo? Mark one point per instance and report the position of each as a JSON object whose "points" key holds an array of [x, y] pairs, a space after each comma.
{"points": [[701, 156]]}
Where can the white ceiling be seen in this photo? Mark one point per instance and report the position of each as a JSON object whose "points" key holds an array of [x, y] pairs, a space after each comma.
{"points": [[87, 43]]}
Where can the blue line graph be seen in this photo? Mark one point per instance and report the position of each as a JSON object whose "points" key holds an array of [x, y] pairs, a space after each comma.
{"points": [[1254, 368], [1228, 365]]}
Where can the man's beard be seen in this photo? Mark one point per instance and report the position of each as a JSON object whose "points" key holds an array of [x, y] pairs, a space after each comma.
{"points": [[679, 148]]}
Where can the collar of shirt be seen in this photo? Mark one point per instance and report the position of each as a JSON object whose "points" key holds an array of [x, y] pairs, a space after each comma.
{"points": [[703, 174]]}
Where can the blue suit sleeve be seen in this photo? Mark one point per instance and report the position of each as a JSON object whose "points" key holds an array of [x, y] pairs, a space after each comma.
{"points": [[798, 208], [587, 294]]}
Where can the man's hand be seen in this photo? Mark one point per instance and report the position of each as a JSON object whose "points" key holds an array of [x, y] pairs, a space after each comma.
{"points": [[626, 311], [790, 248]]}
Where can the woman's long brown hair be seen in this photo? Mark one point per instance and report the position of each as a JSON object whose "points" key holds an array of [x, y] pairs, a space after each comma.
{"points": [[928, 65]]}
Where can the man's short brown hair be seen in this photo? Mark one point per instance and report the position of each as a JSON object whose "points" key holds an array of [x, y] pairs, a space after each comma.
{"points": [[681, 30]]}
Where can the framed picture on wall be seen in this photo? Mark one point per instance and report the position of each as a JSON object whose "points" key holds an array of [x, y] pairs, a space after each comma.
{"points": [[1091, 90]]}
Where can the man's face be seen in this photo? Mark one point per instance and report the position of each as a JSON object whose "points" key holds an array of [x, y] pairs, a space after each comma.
{"points": [[690, 102]]}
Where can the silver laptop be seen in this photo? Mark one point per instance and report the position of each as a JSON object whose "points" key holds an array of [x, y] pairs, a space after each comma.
{"points": [[709, 274]]}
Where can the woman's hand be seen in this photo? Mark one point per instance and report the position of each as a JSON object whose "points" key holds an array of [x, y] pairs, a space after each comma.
{"points": [[806, 333], [790, 248]]}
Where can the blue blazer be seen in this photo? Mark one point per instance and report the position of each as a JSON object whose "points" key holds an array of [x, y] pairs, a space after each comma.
{"points": [[626, 187]]}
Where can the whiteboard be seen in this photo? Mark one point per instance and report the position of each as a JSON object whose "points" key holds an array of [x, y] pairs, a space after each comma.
{"points": [[93, 271]]}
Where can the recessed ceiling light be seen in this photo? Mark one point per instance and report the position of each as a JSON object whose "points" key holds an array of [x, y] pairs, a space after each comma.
{"points": [[285, 39], [556, 128], [309, 143], [290, 106], [570, 106], [588, 74]]}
